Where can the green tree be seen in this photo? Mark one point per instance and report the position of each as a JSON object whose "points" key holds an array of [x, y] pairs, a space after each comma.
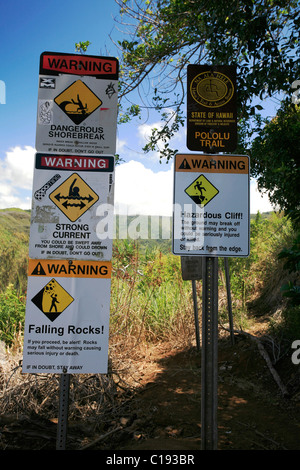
{"points": [[260, 36], [81, 47], [275, 159]]}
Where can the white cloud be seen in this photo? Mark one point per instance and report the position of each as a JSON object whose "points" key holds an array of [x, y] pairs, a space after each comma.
{"points": [[16, 174], [121, 144], [139, 190], [258, 202], [18, 167]]}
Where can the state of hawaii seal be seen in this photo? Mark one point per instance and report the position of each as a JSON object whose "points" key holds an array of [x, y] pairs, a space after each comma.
{"points": [[211, 89]]}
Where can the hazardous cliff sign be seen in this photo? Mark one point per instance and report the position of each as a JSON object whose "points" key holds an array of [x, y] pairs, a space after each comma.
{"points": [[211, 205]]}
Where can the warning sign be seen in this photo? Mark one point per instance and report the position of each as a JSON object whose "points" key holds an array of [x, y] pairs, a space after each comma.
{"points": [[211, 108], [77, 104], [72, 207], [201, 191], [74, 197], [65, 268], [67, 317], [211, 205], [56, 63]]}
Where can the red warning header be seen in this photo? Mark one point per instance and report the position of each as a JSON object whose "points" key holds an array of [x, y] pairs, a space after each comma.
{"points": [[54, 63], [71, 162]]}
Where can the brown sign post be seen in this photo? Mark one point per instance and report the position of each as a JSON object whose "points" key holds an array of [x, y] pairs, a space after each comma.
{"points": [[211, 108]]}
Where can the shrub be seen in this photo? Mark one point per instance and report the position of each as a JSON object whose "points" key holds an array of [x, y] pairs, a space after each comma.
{"points": [[12, 315]]}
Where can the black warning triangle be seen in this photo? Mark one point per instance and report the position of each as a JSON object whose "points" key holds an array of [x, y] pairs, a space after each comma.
{"points": [[184, 165], [38, 270]]}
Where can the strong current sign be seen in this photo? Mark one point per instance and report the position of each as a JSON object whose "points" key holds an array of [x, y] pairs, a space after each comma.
{"points": [[211, 205], [72, 196]]}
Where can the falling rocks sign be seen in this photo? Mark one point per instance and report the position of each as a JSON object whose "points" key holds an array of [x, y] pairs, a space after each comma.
{"points": [[211, 108], [67, 317]]}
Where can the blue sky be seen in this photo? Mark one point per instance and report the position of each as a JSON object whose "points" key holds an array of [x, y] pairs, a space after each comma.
{"points": [[28, 28]]}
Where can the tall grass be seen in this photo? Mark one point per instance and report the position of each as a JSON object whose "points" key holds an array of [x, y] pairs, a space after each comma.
{"points": [[256, 281], [14, 239], [149, 299], [12, 315]]}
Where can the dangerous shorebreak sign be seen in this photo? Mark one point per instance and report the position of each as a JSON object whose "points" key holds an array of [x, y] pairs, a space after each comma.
{"points": [[211, 205], [77, 104], [72, 205], [67, 317]]}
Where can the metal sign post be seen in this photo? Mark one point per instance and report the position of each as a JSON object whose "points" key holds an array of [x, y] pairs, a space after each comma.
{"points": [[209, 359], [61, 437], [191, 270], [229, 299], [196, 315]]}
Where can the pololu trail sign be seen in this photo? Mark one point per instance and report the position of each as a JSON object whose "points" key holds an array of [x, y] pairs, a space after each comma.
{"points": [[67, 317], [71, 196], [211, 108], [211, 205], [77, 104]]}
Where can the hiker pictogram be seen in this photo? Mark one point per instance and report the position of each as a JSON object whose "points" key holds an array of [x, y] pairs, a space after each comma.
{"points": [[201, 191], [78, 101], [74, 197], [52, 299]]}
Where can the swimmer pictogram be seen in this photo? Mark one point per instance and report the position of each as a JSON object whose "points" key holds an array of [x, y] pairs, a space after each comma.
{"points": [[74, 197]]}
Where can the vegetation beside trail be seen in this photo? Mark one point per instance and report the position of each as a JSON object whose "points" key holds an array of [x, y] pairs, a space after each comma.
{"points": [[152, 342], [149, 299]]}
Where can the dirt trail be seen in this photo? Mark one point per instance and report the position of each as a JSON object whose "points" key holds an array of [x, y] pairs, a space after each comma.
{"points": [[164, 411], [252, 414]]}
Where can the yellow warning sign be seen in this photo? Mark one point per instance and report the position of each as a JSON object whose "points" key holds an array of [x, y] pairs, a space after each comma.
{"points": [[66, 268], [74, 197], [78, 101], [213, 163], [52, 299], [201, 191]]}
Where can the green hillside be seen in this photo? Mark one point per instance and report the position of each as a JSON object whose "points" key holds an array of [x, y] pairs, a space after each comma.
{"points": [[14, 238]]}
